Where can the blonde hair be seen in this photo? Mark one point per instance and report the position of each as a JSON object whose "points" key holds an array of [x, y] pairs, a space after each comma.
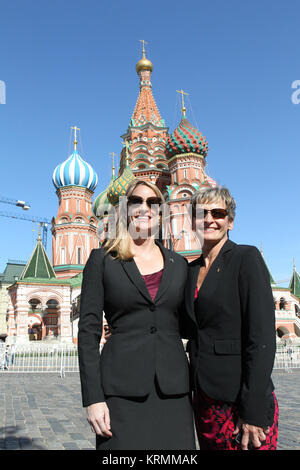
{"points": [[209, 195], [122, 242]]}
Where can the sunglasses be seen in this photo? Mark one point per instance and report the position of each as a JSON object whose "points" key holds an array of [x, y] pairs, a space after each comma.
{"points": [[215, 213], [150, 201]]}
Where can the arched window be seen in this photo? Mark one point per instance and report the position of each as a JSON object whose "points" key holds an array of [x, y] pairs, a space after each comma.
{"points": [[282, 331], [52, 303], [34, 303]]}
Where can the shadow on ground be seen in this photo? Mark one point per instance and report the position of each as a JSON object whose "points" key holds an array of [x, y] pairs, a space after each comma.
{"points": [[13, 440]]}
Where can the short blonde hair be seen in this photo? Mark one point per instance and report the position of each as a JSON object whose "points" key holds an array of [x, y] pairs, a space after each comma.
{"points": [[121, 243], [210, 195]]}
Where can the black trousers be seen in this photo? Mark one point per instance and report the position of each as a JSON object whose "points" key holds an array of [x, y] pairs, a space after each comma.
{"points": [[154, 422]]}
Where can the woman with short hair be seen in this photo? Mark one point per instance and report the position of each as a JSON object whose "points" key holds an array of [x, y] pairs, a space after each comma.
{"points": [[230, 309]]}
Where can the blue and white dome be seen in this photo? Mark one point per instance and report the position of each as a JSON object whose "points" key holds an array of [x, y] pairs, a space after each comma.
{"points": [[75, 172]]}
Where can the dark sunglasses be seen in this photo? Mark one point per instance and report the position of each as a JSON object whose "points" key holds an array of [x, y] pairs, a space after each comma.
{"points": [[150, 201], [215, 213]]}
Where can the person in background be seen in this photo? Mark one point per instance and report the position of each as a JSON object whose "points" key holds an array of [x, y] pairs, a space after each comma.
{"points": [[231, 322]]}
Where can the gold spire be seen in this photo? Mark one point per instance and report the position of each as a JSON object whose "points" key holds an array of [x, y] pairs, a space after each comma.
{"points": [[144, 42], [39, 238], [144, 63], [113, 167], [183, 109], [75, 142]]}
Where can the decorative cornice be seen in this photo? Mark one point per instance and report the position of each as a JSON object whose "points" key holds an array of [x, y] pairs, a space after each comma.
{"points": [[186, 155]]}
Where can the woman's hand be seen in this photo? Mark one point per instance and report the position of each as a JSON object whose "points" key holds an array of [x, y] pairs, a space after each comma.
{"points": [[251, 434], [98, 417]]}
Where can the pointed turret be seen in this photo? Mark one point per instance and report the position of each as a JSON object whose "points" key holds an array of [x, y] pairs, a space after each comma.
{"points": [[146, 110], [146, 136], [294, 285], [38, 265], [272, 282]]}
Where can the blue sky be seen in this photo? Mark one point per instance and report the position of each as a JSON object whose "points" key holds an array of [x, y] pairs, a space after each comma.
{"points": [[67, 63]]}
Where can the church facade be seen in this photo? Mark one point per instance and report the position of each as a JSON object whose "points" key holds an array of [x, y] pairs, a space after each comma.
{"points": [[43, 304]]}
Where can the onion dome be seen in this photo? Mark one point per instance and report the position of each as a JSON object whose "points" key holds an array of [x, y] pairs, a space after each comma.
{"points": [[186, 139], [144, 64], [101, 203], [119, 186], [75, 172]]}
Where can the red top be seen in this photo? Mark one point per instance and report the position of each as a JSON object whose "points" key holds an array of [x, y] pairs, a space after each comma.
{"points": [[152, 282]]}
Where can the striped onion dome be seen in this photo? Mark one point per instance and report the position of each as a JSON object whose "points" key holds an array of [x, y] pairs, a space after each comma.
{"points": [[186, 139], [75, 172], [119, 186]]}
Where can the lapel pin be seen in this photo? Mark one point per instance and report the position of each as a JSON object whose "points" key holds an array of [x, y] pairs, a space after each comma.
{"points": [[218, 270], [171, 259]]}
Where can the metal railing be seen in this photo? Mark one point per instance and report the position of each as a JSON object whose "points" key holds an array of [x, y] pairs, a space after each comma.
{"points": [[287, 359], [59, 358], [63, 358]]}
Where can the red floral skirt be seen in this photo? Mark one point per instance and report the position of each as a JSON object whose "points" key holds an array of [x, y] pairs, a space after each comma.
{"points": [[216, 420]]}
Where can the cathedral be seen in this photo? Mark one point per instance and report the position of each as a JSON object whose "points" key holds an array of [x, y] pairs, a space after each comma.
{"points": [[43, 301]]}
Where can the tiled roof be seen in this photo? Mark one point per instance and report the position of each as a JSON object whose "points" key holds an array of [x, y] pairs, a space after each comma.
{"points": [[38, 266]]}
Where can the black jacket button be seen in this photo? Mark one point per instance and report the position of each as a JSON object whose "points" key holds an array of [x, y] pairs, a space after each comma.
{"points": [[152, 308], [153, 329]]}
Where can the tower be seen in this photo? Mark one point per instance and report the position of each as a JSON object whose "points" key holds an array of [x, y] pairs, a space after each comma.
{"points": [[175, 163], [146, 136], [186, 151], [74, 229]]}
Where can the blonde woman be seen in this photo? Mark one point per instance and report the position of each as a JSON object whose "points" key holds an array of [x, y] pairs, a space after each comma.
{"points": [[137, 392]]}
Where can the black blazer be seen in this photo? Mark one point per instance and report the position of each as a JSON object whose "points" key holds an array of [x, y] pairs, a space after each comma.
{"points": [[233, 328], [145, 338]]}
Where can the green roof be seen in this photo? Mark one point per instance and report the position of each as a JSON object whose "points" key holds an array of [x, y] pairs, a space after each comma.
{"points": [[294, 285], [11, 272], [272, 282], [38, 266]]}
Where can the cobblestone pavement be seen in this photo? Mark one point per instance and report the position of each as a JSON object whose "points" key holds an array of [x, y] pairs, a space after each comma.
{"points": [[44, 412]]}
